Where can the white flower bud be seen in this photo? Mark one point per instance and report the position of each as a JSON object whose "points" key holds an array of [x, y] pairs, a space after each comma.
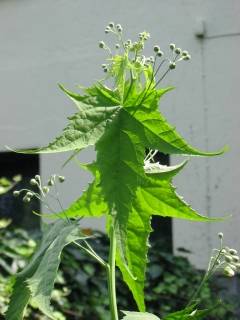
{"points": [[37, 177], [172, 46], [172, 65], [111, 24], [117, 45], [233, 252], [33, 182], [188, 57], [101, 44], [151, 59], [185, 53], [26, 199], [61, 179], [119, 27], [220, 235], [45, 189], [16, 193], [178, 50], [228, 258], [228, 271], [235, 258], [29, 194], [156, 49], [160, 54]]}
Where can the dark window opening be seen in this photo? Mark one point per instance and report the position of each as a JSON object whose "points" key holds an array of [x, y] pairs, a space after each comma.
{"points": [[20, 213]]}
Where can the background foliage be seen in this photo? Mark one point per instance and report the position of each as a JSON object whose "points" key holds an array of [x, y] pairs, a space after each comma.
{"points": [[81, 292]]}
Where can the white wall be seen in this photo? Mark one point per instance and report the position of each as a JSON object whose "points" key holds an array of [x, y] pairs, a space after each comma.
{"points": [[45, 42]]}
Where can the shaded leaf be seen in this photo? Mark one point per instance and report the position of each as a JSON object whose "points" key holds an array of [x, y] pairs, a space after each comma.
{"points": [[36, 281]]}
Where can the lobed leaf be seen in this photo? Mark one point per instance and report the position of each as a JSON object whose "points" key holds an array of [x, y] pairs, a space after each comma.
{"points": [[157, 134]]}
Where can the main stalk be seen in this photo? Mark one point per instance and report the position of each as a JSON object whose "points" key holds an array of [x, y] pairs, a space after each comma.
{"points": [[111, 274]]}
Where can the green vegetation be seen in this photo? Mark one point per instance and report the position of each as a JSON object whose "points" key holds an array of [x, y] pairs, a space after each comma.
{"points": [[120, 117]]}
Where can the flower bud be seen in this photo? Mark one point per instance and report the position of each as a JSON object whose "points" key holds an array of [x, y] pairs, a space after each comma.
{"points": [[185, 53], [61, 179], [111, 24], [233, 252], [172, 65], [33, 182], [228, 258], [178, 50], [172, 46], [235, 258], [26, 199], [188, 57], [29, 194], [119, 27], [37, 177], [16, 193], [160, 54], [117, 45], [156, 49], [45, 189], [220, 235], [151, 59], [101, 44], [228, 271]]}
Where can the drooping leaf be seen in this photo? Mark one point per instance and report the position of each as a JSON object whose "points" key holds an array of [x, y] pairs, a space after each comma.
{"points": [[36, 281], [130, 315], [191, 313]]}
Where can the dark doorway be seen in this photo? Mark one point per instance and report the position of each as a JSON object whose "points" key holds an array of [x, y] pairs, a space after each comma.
{"points": [[20, 213], [162, 226]]}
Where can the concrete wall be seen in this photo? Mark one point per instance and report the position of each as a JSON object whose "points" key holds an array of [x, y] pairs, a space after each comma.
{"points": [[45, 42]]}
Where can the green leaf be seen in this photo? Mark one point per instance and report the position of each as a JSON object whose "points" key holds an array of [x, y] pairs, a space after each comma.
{"points": [[90, 204], [129, 315], [191, 313], [135, 191], [85, 128], [158, 134], [36, 281], [124, 185]]}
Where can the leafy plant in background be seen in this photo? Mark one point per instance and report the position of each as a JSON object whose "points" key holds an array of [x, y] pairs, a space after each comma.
{"points": [[121, 120], [166, 288], [6, 185]]}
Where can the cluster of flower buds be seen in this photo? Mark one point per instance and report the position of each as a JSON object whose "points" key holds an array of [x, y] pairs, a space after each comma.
{"points": [[226, 259], [145, 61], [111, 27], [178, 55], [43, 190], [144, 35]]}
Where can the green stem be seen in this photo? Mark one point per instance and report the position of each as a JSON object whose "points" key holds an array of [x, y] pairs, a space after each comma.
{"points": [[111, 274], [206, 277]]}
